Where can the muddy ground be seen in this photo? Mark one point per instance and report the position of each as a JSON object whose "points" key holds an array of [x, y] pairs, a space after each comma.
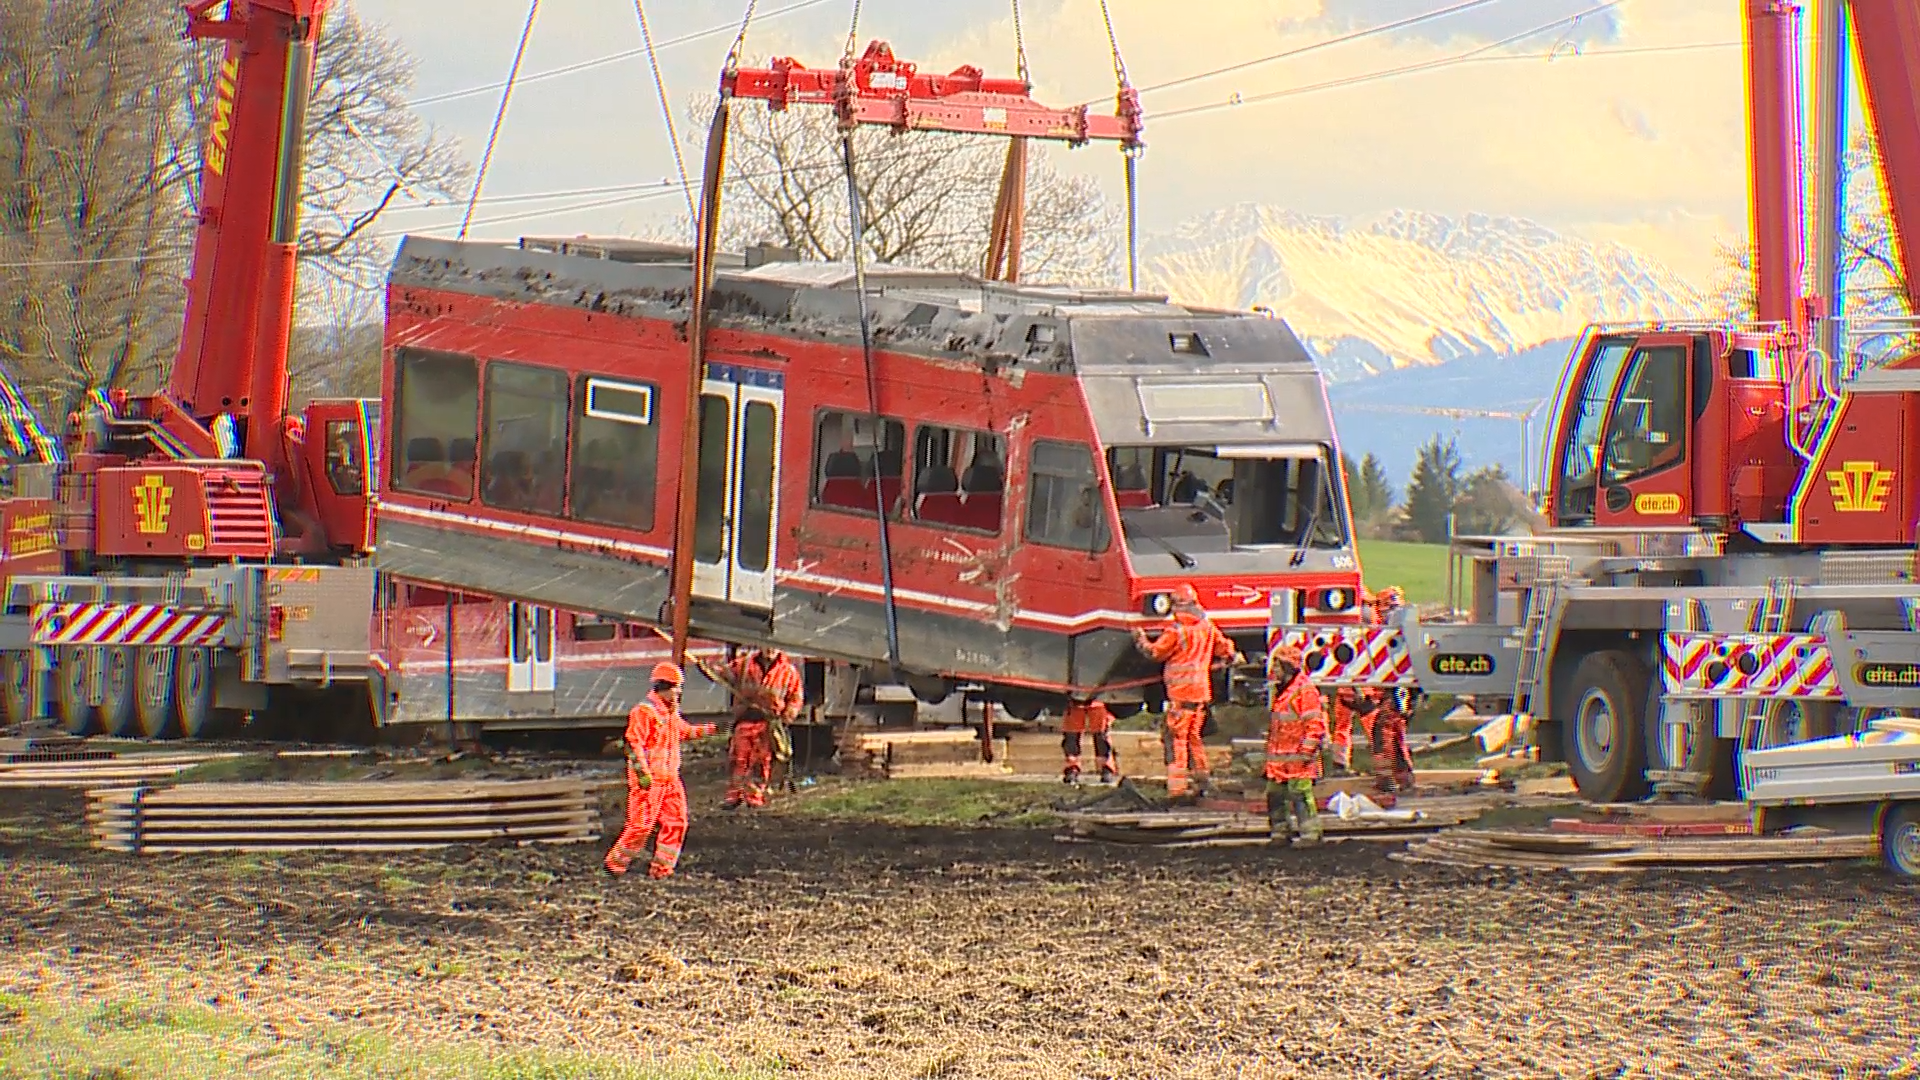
{"points": [[839, 948]]}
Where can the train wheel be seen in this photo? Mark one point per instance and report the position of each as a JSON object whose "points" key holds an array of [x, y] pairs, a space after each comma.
{"points": [[70, 692], [1900, 840], [117, 699], [153, 693], [16, 685], [193, 694], [1606, 750]]}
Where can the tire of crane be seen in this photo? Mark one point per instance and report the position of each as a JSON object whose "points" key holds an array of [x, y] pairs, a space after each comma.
{"points": [[1604, 709], [153, 679], [1706, 753], [193, 694], [16, 685], [1785, 721], [77, 715], [1900, 840], [119, 712]]}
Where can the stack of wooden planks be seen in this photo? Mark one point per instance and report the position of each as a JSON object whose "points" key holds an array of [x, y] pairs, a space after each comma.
{"points": [[1203, 828], [359, 815], [1587, 850], [948, 754], [79, 766]]}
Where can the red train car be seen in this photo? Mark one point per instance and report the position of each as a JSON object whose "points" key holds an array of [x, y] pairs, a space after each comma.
{"points": [[514, 666], [1049, 461]]}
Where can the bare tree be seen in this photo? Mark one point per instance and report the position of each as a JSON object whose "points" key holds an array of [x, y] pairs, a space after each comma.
{"points": [[103, 113], [91, 248], [1875, 282], [927, 198]]}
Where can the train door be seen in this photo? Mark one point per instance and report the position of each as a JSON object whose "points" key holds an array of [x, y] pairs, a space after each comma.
{"points": [[739, 479], [529, 649]]}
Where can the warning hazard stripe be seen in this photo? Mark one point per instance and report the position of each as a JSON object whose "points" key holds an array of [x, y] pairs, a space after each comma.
{"points": [[1715, 665], [125, 624], [1377, 655]]}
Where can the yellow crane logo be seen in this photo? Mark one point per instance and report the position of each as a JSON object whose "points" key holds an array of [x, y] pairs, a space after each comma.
{"points": [[1860, 487], [152, 503]]}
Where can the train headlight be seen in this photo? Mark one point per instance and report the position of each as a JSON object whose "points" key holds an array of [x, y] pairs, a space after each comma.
{"points": [[1336, 600], [1159, 604]]}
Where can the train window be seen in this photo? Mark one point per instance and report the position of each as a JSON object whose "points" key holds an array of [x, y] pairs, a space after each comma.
{"points": [[346, 473], [1183, 500], [524, 445], [434, 423], [851, 458], [616, 454], [1063, 505], [959, 477]]}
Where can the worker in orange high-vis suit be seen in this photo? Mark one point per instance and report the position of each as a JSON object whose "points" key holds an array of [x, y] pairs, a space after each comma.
{"points": [[1088, 718], [766, 691], [655, 795], [1188, 650], [1345, 700], [1385, 714], [1296, 727]]}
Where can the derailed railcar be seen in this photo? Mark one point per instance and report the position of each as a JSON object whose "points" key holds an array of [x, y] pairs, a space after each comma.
{"points": [[1016, 482]]}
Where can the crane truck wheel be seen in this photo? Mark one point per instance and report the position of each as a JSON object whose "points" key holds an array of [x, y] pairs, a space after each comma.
{"points": [[193, 694], [16, 685], [153, 693], [1786, 721], [1602, 714], [1900, 840], [72, 683], [118, 713]]}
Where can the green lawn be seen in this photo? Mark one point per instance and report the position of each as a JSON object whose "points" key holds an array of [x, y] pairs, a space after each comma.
{"points": [[1420, 569], [138, 1040]]}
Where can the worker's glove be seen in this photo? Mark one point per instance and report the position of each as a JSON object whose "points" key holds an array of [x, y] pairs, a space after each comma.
{"points": [[1238, 659], [642, 780]]}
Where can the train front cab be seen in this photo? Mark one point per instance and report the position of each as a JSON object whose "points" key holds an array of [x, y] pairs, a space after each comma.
{"points": [[1228, 480]]}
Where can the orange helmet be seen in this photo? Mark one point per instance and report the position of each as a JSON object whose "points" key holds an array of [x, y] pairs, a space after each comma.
{"points": [[1390, 597], [1287, 654], [1184, 593], [668, 673]]}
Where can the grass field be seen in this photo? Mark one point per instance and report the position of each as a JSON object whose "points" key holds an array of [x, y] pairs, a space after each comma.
{"points": [[1420, 569]]}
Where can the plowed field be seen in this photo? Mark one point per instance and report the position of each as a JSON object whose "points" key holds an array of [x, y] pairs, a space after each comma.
{"points": [[800, 945]]}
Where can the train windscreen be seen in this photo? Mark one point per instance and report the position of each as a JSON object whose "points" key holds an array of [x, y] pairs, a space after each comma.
{"points": [[1197, 500]]}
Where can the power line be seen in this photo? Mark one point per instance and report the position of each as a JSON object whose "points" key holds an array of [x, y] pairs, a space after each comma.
{"points": [[601, 61], [1356, 35], [1473, 55]]}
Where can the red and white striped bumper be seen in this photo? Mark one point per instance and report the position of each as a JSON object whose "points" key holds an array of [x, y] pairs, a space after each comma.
{"points": [[125, 624], [1705, 665], [1351, 655]]}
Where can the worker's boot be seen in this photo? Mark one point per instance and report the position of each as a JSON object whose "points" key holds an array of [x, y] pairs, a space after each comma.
{"points": [[1310, 826], [1107, 775], [1278, 830], [1070, 775]]}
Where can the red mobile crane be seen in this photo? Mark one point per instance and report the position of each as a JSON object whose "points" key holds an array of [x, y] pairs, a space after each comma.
{"points": [[202, 551], [1730, 563]]}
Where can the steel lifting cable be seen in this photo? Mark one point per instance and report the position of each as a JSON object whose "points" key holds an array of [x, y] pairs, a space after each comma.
{"points": [[857, 238], [666, 112], [1020, 46], [493, 136], [1129, 154]]}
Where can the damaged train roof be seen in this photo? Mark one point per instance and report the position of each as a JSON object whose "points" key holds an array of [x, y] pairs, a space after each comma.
{"points": [[927, 312]]}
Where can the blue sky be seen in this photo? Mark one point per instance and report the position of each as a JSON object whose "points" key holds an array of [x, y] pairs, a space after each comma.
{"points": [[1647, 148]]}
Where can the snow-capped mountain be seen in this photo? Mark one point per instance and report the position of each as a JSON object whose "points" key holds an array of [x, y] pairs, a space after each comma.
{"points": [[1410, 289]]}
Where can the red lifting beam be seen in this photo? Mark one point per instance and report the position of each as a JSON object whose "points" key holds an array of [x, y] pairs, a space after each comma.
{"points": [[881, 90]]}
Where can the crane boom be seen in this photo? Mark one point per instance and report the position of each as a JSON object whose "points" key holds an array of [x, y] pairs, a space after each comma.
{"points": [[233, 346]]}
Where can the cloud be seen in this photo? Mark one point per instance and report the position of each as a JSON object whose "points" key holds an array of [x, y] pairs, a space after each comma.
{"points": [[1627, 145]]}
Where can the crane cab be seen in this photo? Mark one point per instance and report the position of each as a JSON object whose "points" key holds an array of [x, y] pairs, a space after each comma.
{"points": [[1672, 428]]}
